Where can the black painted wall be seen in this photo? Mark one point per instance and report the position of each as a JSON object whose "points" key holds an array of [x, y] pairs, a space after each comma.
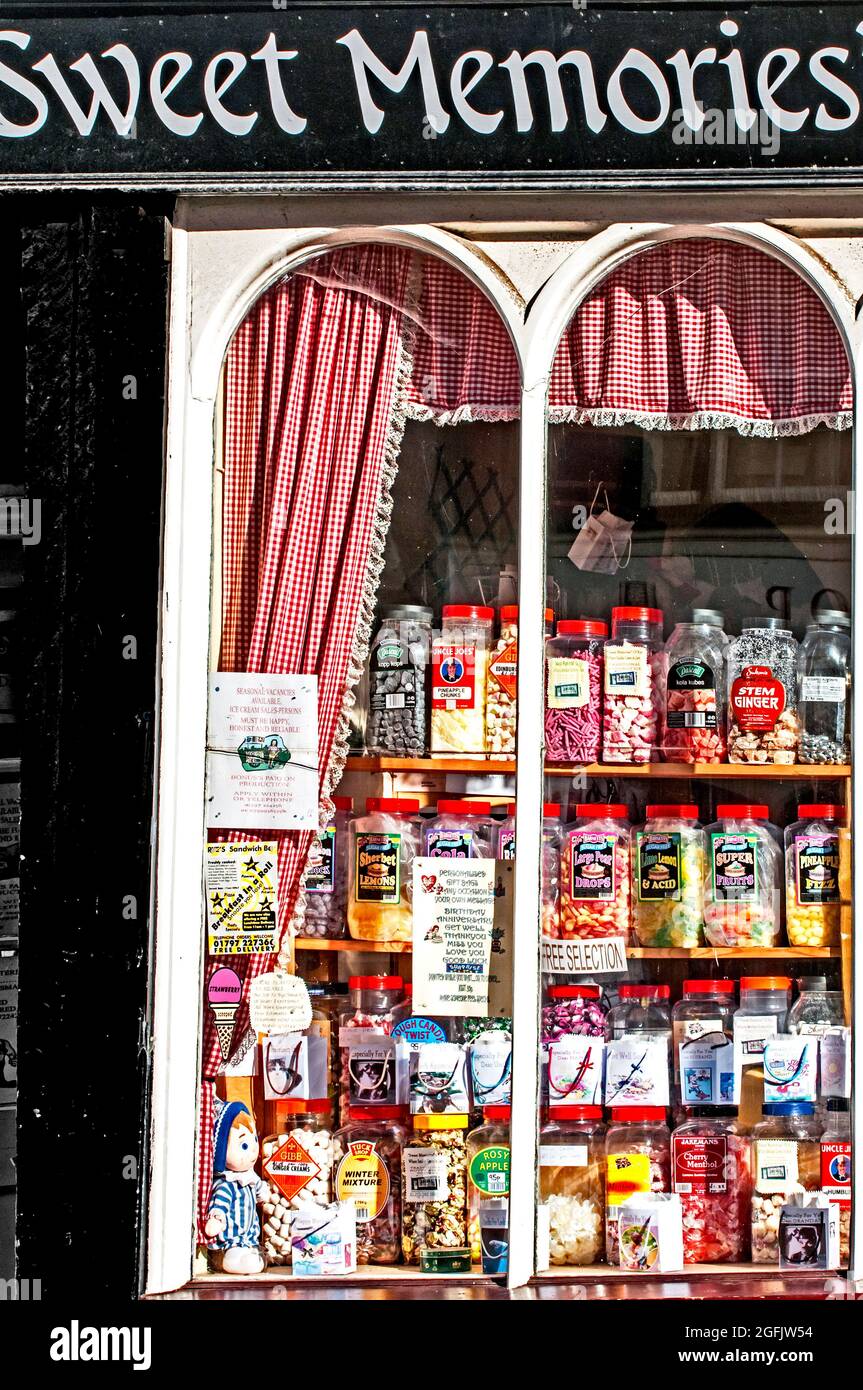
{"points": [[86, 292]]}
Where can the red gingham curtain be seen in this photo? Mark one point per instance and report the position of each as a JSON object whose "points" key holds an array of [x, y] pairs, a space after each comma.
{"points": [[692, 334], [311, 439]]}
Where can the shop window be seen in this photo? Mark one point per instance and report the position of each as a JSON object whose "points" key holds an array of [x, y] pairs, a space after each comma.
{"points": [[697, 928]]}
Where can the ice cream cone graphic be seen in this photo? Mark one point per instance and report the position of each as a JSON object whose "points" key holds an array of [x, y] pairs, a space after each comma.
{"points": [[224, 991]]}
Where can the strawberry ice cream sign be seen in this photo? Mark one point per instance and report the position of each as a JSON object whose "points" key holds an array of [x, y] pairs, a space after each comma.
{"points": [[757, 699]]}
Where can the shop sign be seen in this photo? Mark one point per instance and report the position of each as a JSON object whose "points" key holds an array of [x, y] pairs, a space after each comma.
{"points": [[534, 93]]}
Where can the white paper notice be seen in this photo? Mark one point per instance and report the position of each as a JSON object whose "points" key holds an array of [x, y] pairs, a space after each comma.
{"points": [[262, 760], [454, 934]]}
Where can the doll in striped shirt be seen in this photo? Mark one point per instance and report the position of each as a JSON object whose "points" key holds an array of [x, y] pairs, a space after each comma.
{"points": [[233, 1228]]}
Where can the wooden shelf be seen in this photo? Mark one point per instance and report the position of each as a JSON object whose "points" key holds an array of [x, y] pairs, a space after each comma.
{"points": [[347, 943], [368, 762], [741, 952]]}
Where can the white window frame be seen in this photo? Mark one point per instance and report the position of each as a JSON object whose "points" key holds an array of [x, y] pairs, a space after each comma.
{"points": [[217, 273]]}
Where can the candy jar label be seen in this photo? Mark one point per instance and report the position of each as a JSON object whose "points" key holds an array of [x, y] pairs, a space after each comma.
{"points": [[699, 1163], [627, 1175], [453, 676], [449, 844], [489, 1170], [363, 1175], [290, 1168], [425, 1172], [506, 844], [504, 669], [757, 699], [626, 671], [377, 878], [568, 682], [684, 677], [591, 864], [319, 878], [817, 868], [658, 866], [734, 865]]}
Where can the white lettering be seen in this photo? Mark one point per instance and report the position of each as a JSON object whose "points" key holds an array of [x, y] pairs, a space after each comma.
{"points": [[419, 56], [693, 114], [484, 123], [790, 59], [636, 61], [214, 91], [122, 121], [159, 93], [271, 56], [834, 84], [24, 87], [551, 66]]}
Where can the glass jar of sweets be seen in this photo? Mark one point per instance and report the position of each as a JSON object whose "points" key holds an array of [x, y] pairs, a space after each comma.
{"points": [[631, 686], [434, 1186], [693, 727], [813, 874], [816, 1008], [786, 1162], [763, 723], [398, 676], [638, 1160], [460, 658], [824, 676], [384, 843], [710, 1165], [296, 1164], [500, 705], [369, 1171], [460, 830], [667, 877], [742, 877], [573, 692], [488, 1165], [595, 873], [572, 1183], [327, 875]]}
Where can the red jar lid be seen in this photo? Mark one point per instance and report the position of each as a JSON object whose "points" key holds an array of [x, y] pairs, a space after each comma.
{"points": [[549, 615], [581, 627], [745, 811], [399, 806], [375, 982], [638, 1112], [708, 986], [575, 1112], [636, 615], [574, 992], [820, 810], [765, 982], [595, 810], [343, 803], [377, 1112], [497, 1112], [510, 808], [672, 810], [464, 808], [644, 991], [551, 809], [304, 1107], [509, 613], [467, 610]]}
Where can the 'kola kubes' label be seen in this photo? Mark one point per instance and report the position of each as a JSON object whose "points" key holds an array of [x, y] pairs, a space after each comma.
{"points": [[658, 865], [363, 1175], [684, 677], [377, 877], [757, 699]]}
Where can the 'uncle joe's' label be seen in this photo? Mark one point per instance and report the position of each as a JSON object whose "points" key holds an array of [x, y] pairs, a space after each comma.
{"points": [[684, 677], [734, 865], [658, 865], [363, 1175], [757, 699], [591, 868], [377, 877], [453, 676], [489, 1170], [319, 878], [817, 868]]}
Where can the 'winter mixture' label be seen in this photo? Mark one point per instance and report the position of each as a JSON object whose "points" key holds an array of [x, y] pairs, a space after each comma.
{"points": [[377, 877], [734, 865], [591, 868], [363, 1175], [658, 865], [817, 868], [568, 682], [757, 699]]}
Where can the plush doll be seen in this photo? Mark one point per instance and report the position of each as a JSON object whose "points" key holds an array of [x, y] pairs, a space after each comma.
{"points": [[232, 1226]]}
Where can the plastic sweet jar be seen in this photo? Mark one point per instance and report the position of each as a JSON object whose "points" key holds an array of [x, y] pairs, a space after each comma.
{"points": [[505, 842], [637, 1160], [710, 1163], [376, 1003], [398, 676], [742, 877], [380, 894], [693, 707], [328, 1004], [705, 1010], [824, 680], [327, 875], [667, 874], [460, 830], [573, 1011], [488, 1168], [836, 1168], [763, 723], [644, 1009], [595, 873], [500, 700], [633, 666], [572, 1183], [552, 834], [460, 658], [786, 1162], [573, 692], [434, 1186], [369, 1170], [813, 896], [761, 1014], [816, 1007], [296, 1164]]}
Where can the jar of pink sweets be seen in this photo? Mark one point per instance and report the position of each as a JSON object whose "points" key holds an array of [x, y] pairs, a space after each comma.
{"points": [[552, 832], [693, 728], [633, 665], [595, 873], [573, 692]]}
